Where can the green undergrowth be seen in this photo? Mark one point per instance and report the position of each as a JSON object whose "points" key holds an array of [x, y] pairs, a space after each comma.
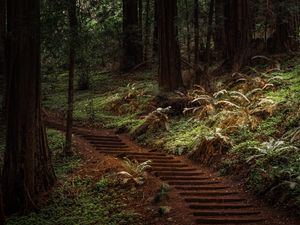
{"points": [[62, 165], [259, 116], [76, 200], [81, 201], [179, 139], [112, 101]]}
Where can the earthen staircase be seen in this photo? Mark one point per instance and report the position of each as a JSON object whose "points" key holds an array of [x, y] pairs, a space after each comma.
{"points": [[210, 200]]}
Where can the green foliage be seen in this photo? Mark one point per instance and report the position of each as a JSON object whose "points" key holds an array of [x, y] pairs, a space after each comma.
{"points": [[134, 171], [79, 201], [62, 165]]}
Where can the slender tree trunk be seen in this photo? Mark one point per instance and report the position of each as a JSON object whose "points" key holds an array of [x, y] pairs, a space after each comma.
{"points": [[140, 18], [155, 30], [196, 40], [2, 53], [188, 37], [147, 31], [219, 36], [132, 44], [238, 33], [169, 55], [73, 22], [2, 85], [209, 33], [27, 169]]}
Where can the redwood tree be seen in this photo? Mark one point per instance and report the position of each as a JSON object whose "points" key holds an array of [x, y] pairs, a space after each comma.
{"points": [[286, 35], [219, 35], [237, 32], [73, 23], [132, 54], [169, 55], [27, 167], [2, 52]]}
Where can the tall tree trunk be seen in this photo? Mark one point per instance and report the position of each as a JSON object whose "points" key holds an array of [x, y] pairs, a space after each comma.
{"points": [[238, 33], [132, 44], [286, 35], [147, 31], [2, 86], [2, 53], [219, 35], [209, 32], [73, 23], [155, 30], [196, 40], [27, 169], [140, 18], [169, 55], [188, 36]]}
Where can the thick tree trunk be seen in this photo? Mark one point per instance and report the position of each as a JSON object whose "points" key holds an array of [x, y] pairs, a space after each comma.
{"points": [[27, 167], [286, 35], [238, 33], [132, 44], [73, 23], [169, 55]]}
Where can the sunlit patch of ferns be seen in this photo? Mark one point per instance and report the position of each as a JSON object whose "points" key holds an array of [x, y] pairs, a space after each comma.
{"points": [[271, 154], [134, 171], [233, 108], [273, 150], [158, 119], [261, 81], [128, 100]]}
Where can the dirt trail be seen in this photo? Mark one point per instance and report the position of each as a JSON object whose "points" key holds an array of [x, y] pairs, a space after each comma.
{"points": [[209, 199]]}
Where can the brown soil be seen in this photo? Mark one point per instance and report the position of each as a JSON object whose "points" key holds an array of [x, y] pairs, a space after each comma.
{"points": [[96, 164]]}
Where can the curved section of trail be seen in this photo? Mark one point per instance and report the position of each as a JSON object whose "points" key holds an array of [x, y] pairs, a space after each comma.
{"points": [[210, 199]]}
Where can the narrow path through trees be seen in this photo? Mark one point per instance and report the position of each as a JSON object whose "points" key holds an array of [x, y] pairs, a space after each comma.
{"points": [[210, 198]]}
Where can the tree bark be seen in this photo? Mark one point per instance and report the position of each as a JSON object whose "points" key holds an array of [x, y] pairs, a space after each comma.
{"points": [[140, 18], [147, 31], [155, 31], [132, 44], [169, 55], [188, 36], [285, 37], [27, 169], [73, 23], [196, 40], [219, 35], [209, 32], [2, 53], [238, 33]]}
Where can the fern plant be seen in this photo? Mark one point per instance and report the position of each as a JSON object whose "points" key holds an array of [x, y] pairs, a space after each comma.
{"points": [[272, 150], [134, 171]]}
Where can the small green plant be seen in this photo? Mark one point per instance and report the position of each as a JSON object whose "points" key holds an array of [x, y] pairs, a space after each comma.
{"points": [[273, 149], [134, 171]]}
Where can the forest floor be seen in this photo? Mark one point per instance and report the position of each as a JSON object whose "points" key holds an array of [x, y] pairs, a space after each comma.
{"points": [[253, 139], [251, 122]]}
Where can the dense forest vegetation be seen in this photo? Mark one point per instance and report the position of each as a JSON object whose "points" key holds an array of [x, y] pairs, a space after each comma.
{"points": [[213, 83]]}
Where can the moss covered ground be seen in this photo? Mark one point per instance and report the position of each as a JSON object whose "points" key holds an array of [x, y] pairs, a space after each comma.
{"points": [[263, 131]]}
